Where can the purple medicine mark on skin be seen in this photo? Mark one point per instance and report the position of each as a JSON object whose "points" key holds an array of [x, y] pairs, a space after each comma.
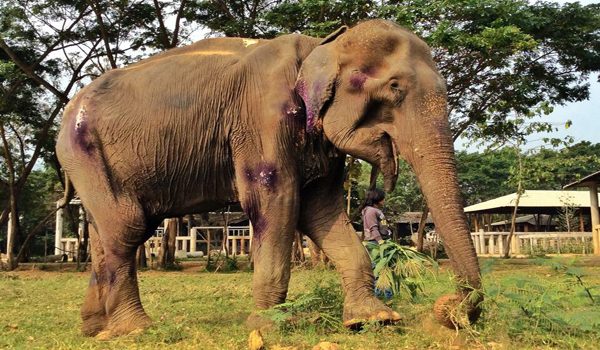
{"points": [[259, 223], [265, 175], [81, 131], [312, 106], [357, 80], [292, 110]]}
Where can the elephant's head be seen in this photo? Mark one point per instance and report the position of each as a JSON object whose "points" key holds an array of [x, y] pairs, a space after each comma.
{"points": [[375, 93]]}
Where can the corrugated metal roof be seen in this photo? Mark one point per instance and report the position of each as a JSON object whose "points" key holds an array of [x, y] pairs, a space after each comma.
{"points": [[543, 219], [413, 217], [534, 199], [586, 181]]}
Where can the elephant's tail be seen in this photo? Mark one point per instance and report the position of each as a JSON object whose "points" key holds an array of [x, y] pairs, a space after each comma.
{"points": [[69, 193]]}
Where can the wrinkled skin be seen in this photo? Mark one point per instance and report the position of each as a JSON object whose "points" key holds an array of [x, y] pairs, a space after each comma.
{"points": [[267, 123]]}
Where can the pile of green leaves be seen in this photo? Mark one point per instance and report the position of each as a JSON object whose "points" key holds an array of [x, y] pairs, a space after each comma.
{"points": [[399, 269], [319, 310]]}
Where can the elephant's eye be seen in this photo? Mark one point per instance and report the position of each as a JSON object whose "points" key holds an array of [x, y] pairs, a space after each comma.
{"points": [[398, 91]]}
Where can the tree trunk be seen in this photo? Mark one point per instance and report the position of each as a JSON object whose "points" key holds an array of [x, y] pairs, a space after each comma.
{"points": [[421, 229], [166, 257], [506, 253], [519, 193], [171, 233], [142, 263]]}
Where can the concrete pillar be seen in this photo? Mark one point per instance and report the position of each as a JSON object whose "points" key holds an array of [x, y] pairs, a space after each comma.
{"points": [[595, 217], [482, 249], [515, 244], [193, 237], [501, 244], [58, 232]]}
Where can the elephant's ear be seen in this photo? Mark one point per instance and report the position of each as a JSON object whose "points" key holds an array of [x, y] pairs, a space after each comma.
{"points": [[317, 78]]}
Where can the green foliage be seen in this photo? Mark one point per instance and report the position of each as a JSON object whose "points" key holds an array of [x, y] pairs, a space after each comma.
{"points": [[490, 174], [501, 58], [399, 269], [319, 310], [218, 262], [543, 309]]}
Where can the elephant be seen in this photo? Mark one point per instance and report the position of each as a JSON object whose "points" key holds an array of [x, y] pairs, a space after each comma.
{"points": [[268, 124]]}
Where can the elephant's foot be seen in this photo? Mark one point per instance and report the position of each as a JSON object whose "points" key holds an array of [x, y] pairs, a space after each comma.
{"points": [[93, 323], [257, 321], [93, 312], [357, 313], [132, 324], [455, 311]]}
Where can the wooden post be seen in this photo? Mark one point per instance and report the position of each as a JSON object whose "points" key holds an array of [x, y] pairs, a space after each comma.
{"points": [[208, 239], [492, 248]]}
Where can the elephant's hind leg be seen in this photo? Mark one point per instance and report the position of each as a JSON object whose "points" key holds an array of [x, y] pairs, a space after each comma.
{"points": [[93, 312], [112, 306]]}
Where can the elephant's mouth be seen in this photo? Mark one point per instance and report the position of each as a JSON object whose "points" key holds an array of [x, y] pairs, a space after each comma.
{"points": [[388, 161]]}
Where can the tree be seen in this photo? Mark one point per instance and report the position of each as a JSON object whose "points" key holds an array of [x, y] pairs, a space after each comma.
{"points": [[47, 49], [506, 58], [484, 175], [505, 62], [501, 58]]}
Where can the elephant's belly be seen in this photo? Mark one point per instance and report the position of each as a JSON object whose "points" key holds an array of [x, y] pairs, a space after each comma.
{"points": [[180, 193]]}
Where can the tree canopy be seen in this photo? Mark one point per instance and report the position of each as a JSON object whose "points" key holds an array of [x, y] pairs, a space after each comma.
{"points": [[505, 62]]}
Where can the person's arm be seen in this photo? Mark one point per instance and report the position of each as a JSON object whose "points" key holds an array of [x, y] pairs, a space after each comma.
{"points": [[372, 223]]}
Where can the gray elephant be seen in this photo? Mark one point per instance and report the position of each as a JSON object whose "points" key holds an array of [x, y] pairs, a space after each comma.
{"points": [[267, 123]]}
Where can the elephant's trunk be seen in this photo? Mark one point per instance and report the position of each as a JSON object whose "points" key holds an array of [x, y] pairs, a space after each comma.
{"points": [[432, 158]]}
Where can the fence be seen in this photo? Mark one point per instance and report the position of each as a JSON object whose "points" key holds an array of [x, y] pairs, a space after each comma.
{"points": [[207, 238], [201, 239], [532, 243]]}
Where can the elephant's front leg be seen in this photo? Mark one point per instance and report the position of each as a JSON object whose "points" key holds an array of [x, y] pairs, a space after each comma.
{"points": [[270, 200], [323, 219]]}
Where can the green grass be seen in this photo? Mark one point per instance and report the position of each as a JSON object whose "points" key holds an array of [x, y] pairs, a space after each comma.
{"points": [[532, 305]]}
